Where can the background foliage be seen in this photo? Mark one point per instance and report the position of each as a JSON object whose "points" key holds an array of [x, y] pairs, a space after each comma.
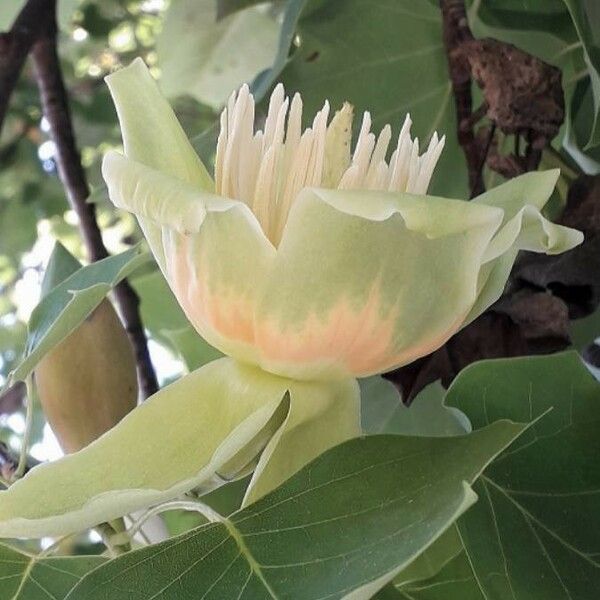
{"points": [[533, 532]]}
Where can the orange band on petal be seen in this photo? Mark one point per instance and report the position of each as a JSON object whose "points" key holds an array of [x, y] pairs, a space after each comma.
{"points": [[213, 312], [345, 340]]}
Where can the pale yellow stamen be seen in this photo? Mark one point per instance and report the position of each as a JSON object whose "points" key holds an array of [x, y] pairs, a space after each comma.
{"points": [[267, 169]]}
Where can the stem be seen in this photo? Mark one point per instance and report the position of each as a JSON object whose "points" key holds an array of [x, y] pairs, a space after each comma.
{"points": [[56, 545], [108, 534], [22, 464], [191, 505]]}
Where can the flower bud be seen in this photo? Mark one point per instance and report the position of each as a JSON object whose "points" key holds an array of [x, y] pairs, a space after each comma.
{"points": [[88, 382]]}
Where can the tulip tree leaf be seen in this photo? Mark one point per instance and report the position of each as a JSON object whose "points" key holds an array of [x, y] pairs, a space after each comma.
{"points": [[208, 58], [383, 411], [291, 15], [586, 18], [61, 265], [534, 532], [433, 560], [28, 577], [69, 303], [393, 42], [228, 7], [345, 524], [455, 581]]}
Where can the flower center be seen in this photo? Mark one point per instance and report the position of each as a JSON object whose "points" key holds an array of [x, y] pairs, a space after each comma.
{"points": [[267, 168]]}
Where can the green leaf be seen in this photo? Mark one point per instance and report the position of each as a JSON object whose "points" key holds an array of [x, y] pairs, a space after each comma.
{"points": [[291, 15], [341, 527], [159, 308], [396, 64], [383, 411], [586, 18], [9, 9], [28, 577], [528, 7], [455, 581], [580, 117], [70, 302], [62, 264], [534, 534], [433, 560], [208, 58], [228, 7], [192, 347]]}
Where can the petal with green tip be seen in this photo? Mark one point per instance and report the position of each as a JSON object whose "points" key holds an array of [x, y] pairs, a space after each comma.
{"points": [[179, 439], [523, 228], [215, 253], [153, 136]]}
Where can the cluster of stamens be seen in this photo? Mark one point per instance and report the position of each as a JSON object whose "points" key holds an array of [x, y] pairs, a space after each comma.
{"points": [[267, 168]]}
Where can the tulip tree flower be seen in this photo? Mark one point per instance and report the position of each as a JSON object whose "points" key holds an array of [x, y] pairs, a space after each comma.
{"points": [[308, 265]]}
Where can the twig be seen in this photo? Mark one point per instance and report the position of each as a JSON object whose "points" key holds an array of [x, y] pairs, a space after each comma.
{"points": [[35, 32]]}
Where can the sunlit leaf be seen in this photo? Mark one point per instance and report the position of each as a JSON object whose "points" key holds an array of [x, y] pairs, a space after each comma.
{"points": [[208, 58], [69, 303]]}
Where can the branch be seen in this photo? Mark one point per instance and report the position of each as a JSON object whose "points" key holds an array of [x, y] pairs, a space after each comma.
{"points": [[456, 31], [16, 44], [56, 110], [35, 32]]}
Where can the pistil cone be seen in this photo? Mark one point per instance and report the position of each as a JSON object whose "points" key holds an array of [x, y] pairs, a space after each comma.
{"points": [[88, 382]]}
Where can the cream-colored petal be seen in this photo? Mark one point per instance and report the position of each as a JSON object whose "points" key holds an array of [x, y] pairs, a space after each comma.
{"points": [[523, 228], [153, 136], [321, 415], [151, 132], [366, 281], [179, 439], [214, 251]]}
